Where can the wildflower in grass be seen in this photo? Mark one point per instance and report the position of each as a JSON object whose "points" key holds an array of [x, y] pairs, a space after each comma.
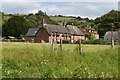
{"points": [[45, 63], [88, 73], [102, 72], [85, 68], [19, 72], [80, 77], [67, 69], [71, 72], [106, 74], [42, 62]]}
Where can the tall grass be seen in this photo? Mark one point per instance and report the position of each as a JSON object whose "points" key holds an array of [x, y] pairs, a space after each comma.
{"points": [[22, 60]]}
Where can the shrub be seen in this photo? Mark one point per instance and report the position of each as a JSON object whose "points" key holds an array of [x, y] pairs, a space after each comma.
{"points": [[17, 40], [90, 36], [13, 40], [77, 42], [66, 42], [96, 41]]}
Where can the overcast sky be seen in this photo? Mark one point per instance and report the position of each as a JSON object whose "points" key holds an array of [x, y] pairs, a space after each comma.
{"points": [[83, 9]]}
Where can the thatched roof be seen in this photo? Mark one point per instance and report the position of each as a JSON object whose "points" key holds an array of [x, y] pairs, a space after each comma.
{"points": [[74, 30], [57, 29], [116, 36]]}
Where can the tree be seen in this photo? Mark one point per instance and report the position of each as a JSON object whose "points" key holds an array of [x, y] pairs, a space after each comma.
{"points": [[104, 22], [78, 18], [90, 36], [36, 20], [15, 26]]}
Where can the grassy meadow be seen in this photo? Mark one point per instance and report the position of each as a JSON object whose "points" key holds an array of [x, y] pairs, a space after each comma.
{"points": [[35, 60]]}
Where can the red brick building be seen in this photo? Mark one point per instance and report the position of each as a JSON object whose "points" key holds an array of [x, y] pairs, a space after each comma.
{"points": [[89, 30], [54, 32]]}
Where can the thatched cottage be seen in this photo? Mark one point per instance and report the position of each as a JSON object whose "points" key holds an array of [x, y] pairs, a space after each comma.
{"points": [[48, 33]]}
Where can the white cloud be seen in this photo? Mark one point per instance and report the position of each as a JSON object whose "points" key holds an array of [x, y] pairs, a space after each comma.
{"points": [[60, 0], [83, 9]]}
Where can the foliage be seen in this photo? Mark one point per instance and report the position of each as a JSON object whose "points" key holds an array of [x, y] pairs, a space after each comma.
{"points": [[13, 40], [97, 41], [15, 26], [36, 20], [66, 42], [107, 21], [24, 60], [90, 36], [101, 24], [74, 22]]}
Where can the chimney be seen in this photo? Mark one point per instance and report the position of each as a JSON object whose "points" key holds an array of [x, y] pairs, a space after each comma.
{"points": [[64, 23], [42, 22]]}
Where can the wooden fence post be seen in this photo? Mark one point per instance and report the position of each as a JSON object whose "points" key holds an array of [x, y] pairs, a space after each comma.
{"points": [[80, 47], [112, 44], [53, 44], [61, 44]]}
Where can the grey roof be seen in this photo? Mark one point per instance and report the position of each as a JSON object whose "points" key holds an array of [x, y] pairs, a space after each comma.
{"points": [[32, 31], [56, 29], [116, 36], [74, 30]]}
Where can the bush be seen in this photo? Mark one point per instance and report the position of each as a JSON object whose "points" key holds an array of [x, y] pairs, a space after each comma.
{"points": [[17, 40], [13, 40], [99, 41], [96, 41], [66, 42], [77, 42]]}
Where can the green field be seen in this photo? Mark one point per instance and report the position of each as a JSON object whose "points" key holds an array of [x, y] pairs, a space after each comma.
{"points": [[56, 18], [61, 19], [30, 60]]}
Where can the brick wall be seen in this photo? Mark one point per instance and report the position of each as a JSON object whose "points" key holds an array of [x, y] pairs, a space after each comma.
{"points": [[96, 36], [30, 39], [42, 35]]}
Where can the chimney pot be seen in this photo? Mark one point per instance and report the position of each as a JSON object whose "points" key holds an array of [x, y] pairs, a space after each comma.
{"points": [[64, 23]]}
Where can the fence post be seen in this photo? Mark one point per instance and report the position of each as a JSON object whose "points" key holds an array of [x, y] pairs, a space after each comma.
{"points": [[53, 44], [80, 47], [112, 44], [61, 44]]}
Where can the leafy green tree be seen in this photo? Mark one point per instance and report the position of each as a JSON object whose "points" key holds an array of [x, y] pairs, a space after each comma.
{"points": [[15, 26], [104, 23], [90, 36], [36, 20]]}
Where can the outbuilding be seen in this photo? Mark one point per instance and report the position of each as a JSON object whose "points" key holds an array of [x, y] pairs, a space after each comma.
{"points": [[115, 34]]}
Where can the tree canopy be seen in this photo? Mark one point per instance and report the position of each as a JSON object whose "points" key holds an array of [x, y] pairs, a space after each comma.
{"points": [[15, 26], [107, 21]]}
